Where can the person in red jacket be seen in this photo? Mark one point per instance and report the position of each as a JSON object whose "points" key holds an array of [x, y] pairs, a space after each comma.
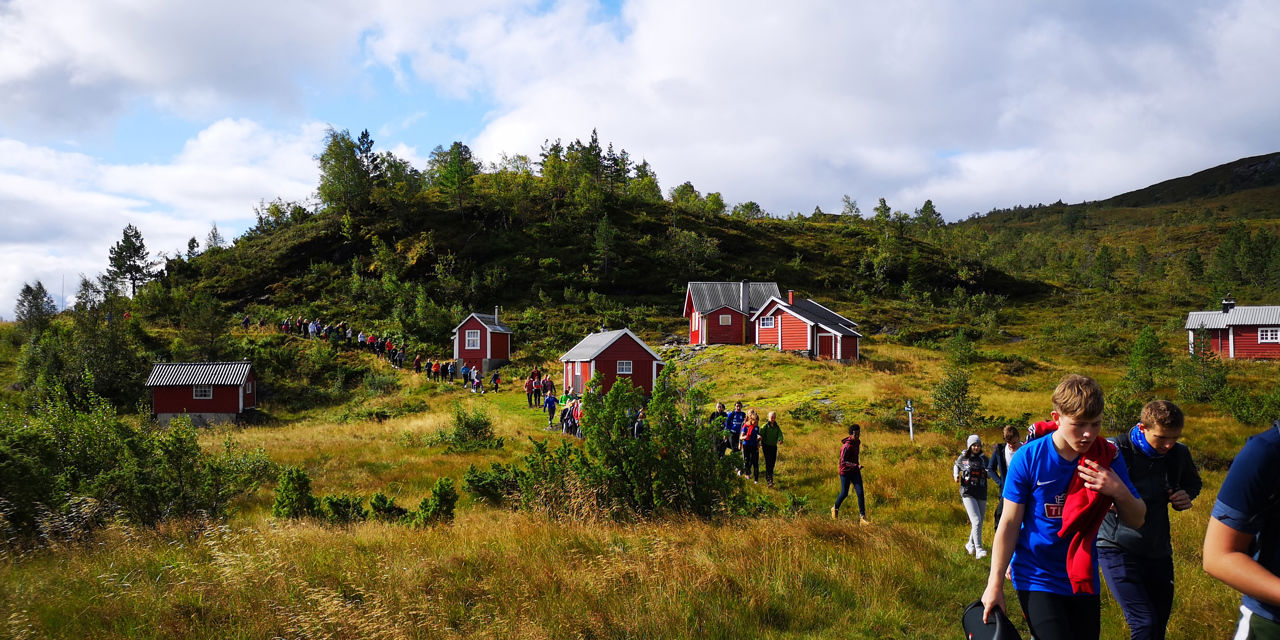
{"points": [[850, 472]]}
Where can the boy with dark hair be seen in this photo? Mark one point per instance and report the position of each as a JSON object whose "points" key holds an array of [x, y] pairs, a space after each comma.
{"points": [[1056, 494], [1138, 562], [1242, 542]]}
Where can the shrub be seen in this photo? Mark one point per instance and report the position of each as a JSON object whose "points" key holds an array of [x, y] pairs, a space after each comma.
{"points": [[343, 509], [472, 430], [293, 495], [386, 509], [437, 507], [955, 404], [493, 486], [1201, 374]]}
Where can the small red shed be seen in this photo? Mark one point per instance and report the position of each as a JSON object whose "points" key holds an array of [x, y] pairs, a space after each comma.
{"points": [[1238, 332], [206, 391], [613, 354], [482, 341], [805, 325], [719, 312]]}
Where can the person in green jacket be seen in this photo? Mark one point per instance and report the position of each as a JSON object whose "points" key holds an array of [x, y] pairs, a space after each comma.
{"points": [[770, 436]]}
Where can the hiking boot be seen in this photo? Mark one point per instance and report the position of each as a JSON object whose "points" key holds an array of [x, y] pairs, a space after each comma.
{"points": [[863, 520], [980, 553], [835, 513], [968, 548]]}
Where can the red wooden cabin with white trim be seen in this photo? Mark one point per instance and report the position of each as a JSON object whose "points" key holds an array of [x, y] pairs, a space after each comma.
{"points": [[806, 326], [1238, 332], [720, 312], [206, 391], [612, 354], [482, 341]]}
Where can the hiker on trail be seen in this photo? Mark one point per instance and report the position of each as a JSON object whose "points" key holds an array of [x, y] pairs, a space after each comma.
{"points": [[639, 428], [750, 440], [244, 324], [466, 374], [549, 405], [770, 436], [417, 363], [495, 379], [400, 358], [548, 386], [970, 472], [1050, 521], [435, 370], [736, 418], [1138, 563], [537, 389], [453, 368], [1242, 542], [720, 419], [528, 391], [850, 472], [998, 467]]}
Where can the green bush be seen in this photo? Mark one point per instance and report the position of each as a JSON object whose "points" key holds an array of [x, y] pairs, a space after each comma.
{"points": [[472, 430], [494, 486], [343, 509], [386, 509], [293, 495], [437, 507]]}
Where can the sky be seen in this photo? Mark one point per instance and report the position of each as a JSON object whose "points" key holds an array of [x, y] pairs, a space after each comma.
{"points": [[177, 116]]}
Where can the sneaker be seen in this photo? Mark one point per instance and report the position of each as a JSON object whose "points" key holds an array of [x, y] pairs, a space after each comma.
{"points": [[980, 553], [863, 520], [835, 513], [968, 548]]}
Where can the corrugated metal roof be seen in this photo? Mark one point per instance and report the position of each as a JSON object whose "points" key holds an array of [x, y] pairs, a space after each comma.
{"points": [[592, 345], [488, 320], [709, 296], [819, 314], [180, 374], [1237, 316]]}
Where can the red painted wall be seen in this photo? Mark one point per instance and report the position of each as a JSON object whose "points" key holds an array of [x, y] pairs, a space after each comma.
{"points": [[794, 332], [471, 357], [849, 347], [226, 399], [501, 346], [625, 349], [695, 334], [725, 334], [1247, 344], [767, 336], [826, 346]]}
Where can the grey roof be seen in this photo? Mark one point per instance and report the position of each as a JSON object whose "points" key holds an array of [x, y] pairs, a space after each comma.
{"points": [[819, 314], [488, 320], [709, 296], [179, 374], [592, 345], [1237, 316]]}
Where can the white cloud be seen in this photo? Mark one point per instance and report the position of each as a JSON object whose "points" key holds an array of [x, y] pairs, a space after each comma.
{"points": [[63, 211]]}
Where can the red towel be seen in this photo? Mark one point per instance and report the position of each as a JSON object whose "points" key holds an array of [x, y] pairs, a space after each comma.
{"points": [[1082, 515]]}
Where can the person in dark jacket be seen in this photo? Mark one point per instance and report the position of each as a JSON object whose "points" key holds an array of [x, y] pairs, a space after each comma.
{"points": [[1138, 563], [1001, 456], [750, 439], [970, 472], [770, 436], [850, 472], [719, 418]]}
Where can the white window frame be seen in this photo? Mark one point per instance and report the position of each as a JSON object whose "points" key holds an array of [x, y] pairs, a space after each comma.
{"points": [[726, 320], [1273, 335], [624, 371], [473, 339], [197, 389], [767, 322]]}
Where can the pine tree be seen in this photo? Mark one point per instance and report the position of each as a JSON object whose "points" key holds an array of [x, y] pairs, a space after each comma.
{"points": [[35, 308], [955, 404], [1145, 359], [129, 260]]}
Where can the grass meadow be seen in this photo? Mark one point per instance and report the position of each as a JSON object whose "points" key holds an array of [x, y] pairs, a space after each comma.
{"points": [[500, 574]]}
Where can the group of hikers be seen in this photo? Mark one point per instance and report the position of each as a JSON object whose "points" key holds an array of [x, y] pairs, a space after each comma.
{"points": [[744, 435], [1071, 501]]}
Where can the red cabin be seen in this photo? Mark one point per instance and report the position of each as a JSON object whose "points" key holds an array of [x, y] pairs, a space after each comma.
{"points": [[806, 326], [720, 312], [482, 341], [613, 354], [1238, 332], [208, 392]]}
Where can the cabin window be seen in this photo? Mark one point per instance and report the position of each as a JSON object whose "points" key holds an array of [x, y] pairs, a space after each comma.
{"points": [[624, 367], [473, 338], [202, 392], [248, 387], [1269, 334], [725, 319], [766, 322]]}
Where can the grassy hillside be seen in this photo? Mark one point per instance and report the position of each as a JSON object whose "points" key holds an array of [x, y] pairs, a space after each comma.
{"points": [[495, 573]]}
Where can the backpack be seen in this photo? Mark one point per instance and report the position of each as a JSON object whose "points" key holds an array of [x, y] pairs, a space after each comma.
{"points": [[972, 472]]}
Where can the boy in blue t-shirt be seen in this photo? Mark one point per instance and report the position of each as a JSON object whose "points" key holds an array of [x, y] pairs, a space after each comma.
{"points": [[1035, 493], [733, 424], [1242, 542]]}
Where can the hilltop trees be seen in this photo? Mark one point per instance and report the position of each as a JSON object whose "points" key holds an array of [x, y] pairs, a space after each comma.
{"points": [[129, 260], [34, 309]]}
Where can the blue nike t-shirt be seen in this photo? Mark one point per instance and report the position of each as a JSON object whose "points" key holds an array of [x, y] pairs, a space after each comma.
{"points": [[1038, 479], [1246, 502], [735, 420]]}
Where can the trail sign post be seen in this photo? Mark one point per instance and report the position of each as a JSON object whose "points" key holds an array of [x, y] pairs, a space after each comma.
{"points": [[911, 427]]}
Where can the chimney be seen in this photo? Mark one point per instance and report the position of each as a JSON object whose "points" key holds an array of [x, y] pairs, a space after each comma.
{"points": [[791, 296], [495, 315], [1228, 303], [745, 295]]}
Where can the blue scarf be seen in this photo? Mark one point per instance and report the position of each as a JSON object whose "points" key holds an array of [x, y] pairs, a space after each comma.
{"points": [[1140, 442]]}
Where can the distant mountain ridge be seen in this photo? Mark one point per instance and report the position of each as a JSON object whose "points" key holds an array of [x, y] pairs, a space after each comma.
{"points": [[1240, 175]]}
